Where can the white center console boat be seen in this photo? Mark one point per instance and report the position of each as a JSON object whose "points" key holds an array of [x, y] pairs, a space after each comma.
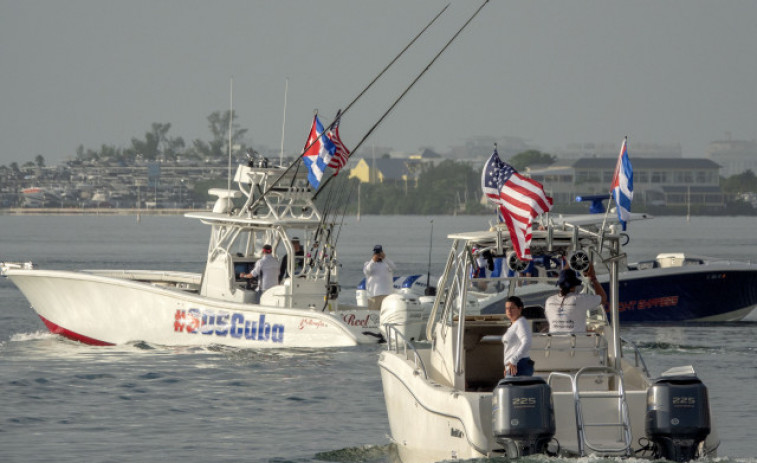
{"points": [[591, 393]]}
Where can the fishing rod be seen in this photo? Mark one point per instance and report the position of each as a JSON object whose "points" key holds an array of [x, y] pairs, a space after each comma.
{"points": [[428, 66], [402, 95], [392, 62], [354, 100]]}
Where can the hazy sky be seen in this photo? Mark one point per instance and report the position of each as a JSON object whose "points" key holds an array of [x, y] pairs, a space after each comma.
{"points": [[93, 72]]}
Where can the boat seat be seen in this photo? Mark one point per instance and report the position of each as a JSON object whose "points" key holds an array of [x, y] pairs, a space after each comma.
{"points": [[568, 353]]}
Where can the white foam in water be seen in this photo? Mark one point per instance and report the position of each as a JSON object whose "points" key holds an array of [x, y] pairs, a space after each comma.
{"points": [[37, 335]]}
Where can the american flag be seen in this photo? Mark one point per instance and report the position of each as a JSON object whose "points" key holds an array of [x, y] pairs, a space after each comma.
{"points": [[519, 198], [342, 153]]}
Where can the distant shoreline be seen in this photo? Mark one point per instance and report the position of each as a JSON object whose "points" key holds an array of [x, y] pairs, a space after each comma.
{"points": [[92, 211]]}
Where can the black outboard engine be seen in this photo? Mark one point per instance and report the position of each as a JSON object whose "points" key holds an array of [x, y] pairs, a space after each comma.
{"points": [[523, 417], [678, 416]]}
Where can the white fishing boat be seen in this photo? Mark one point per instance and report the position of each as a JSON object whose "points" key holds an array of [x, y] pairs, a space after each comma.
{"points": [[591, 393], [106, 307]]}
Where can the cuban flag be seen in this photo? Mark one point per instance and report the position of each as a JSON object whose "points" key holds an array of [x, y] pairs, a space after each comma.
{"points": [[520, 200], [318, 153], [622, 185]]}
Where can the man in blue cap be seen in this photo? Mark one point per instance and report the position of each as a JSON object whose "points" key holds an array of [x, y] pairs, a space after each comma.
{"points": [[566, 311], [379, 276]]}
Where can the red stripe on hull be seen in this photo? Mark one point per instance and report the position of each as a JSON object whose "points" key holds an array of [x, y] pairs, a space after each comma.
{"points": [[55, 329]]}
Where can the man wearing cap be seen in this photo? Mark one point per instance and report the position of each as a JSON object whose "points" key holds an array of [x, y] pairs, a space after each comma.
{"points": [[266, 270], [566, 311], [379, 273], [299, 258]]}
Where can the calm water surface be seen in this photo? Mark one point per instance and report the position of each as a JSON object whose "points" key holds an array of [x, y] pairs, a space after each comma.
{"points": [[62, 401]]}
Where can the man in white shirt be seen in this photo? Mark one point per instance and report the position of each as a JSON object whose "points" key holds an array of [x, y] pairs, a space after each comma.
{"points": [[266, 270], [566, 311], [379, 276]]}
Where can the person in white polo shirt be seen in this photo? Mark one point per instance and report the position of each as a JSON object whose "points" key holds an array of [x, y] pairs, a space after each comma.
{"points": [[379, 276], [566, 311]]}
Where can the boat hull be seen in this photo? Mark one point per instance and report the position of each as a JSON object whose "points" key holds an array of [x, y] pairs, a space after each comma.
{"points": [[707, 293], [414, 403], [102, 310], [703, 293]]}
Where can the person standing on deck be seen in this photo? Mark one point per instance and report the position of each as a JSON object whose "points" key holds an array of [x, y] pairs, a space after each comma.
{"points": [[379, 276], [566, 311], [299, 258], [266, 270], [517, 340]]}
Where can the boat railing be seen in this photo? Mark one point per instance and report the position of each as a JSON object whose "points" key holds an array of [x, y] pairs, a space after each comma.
{"points": [[397, 343], [638, 359]]}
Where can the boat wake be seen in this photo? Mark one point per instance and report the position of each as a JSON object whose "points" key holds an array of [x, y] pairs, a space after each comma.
{"points": [[659, 347], [35, 336], [388, 453], [672, 348], [361, 454]]}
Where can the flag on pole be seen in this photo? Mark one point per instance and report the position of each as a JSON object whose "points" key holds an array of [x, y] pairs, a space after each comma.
{"points": [[341, 153], [318, 152], [622, 185], [519, 198]]}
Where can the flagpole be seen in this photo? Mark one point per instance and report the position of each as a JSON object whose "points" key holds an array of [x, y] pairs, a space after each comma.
{"points": [[354, 100], [283, 123], [231, 117], [402, 95]]}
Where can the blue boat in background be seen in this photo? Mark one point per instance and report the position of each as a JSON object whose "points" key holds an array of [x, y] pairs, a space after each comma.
{"points": [[674, 287]]}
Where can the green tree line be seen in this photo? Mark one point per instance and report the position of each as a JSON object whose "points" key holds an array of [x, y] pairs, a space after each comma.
{"points": [[158, 144]]}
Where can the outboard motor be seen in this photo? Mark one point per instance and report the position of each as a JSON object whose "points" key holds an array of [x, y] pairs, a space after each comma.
{"points": [[523, 417], [405, 312], [678, 416]]}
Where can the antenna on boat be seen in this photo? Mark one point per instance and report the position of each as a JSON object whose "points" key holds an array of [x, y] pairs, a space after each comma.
{"points": [[358, 200], [231, 118], [284, 122], [402, 95], [428, 274], [688, 204], [354, 100]]}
